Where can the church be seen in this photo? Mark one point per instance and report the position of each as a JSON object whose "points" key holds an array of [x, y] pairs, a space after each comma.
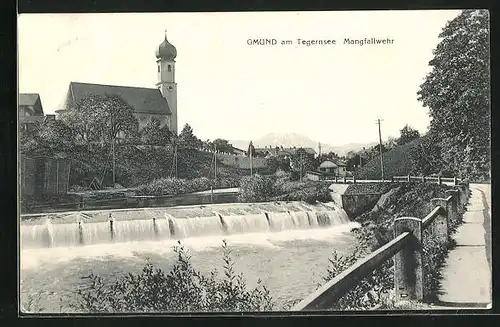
{"points": [[159, 102]]}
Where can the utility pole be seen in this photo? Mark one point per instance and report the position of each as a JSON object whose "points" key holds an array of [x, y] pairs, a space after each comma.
{"points": [[175, 160], [215, 161], [301, 165], [113, 153], [380, 148], [251, 160]]}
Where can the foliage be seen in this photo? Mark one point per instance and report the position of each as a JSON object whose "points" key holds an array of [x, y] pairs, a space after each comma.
{"points": [[301, 162], [457, 93], [52, 138], [187, 139], [173, 186], [257, 188], [100, 118], [251, 149], [407, 134], [278, 163], [223, 146], [155, 134], [280, 187], [181, 289], [397, 162], [327, 156]]}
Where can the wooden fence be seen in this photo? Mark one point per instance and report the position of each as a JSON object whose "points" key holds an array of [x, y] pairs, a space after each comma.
{"points": [[410, 237], [397, 179]]}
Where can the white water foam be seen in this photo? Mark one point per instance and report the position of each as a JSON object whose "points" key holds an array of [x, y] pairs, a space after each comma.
{"points": [[35, 257], [239, 224]]}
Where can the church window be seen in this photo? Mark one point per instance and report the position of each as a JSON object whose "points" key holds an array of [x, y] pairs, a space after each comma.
{"points": [[169, 68]]}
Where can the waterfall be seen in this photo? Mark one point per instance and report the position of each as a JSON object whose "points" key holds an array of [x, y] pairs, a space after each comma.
{"points": [[140, 230], [39, 235], [246, 223], [199, 226], [300, 219], [280, 221], [161, 225]]}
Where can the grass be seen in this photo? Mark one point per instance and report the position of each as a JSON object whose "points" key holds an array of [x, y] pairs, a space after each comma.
{"points": [[397, 162]]}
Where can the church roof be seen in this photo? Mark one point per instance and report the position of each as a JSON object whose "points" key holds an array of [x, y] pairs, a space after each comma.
{"points": [[143, 100], [31, 99]]}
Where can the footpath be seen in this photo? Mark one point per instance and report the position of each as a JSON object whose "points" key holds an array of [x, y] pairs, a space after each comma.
{"points": [[466, 273]]}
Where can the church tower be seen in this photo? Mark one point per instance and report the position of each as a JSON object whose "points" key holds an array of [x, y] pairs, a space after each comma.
{"points": [[165, 59]]}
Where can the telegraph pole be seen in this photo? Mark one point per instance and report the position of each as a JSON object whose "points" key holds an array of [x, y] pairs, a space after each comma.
{"points": [[215, 161], [175, 160], [113, 153], [251, 160], [380, 148]]}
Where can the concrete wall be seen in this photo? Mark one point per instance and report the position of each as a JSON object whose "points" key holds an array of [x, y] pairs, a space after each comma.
{"points": [[356, 204]]}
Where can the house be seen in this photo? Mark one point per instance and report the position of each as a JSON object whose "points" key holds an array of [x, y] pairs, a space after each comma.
{"points": [[333, 167], [239, 151], [30, 110]]}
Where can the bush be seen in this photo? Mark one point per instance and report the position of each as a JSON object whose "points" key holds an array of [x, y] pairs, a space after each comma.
{"points": [[257, 188], [182, 289], [174, 186]]}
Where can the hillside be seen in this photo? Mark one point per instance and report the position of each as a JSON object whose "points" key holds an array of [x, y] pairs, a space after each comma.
{"points": [[397, 162], [295, 139]]}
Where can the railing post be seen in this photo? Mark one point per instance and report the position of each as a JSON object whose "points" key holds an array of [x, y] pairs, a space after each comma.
{"points": [[442, 221], [336, 179], [409, 178], [423, 179], [408, 265], [392, 179], [453, 204], [353, 179], [345, 180], [439, 180], [455, 181]]}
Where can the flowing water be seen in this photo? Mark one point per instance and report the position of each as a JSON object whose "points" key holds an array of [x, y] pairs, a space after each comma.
{"points": [[288, 249]]}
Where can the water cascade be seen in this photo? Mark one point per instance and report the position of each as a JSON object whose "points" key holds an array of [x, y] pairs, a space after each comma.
{"points": [[49, 233]]}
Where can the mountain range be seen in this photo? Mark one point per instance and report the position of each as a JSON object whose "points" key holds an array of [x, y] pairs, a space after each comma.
{"points": [[293, 139]]}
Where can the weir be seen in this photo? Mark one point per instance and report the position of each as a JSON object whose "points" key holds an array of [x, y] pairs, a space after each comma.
{"points": [[77, 230]]}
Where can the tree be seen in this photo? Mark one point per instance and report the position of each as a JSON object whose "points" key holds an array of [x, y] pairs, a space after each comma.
{"points": [[407, 134], [457, 93], [251, 149], [301, 161], [99, 118], [223, 146], [327, 156], [48, 138], [188, 139], [153, 134]]}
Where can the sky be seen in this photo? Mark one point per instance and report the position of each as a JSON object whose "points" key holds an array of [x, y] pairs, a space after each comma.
{"points": [[229, 89]]}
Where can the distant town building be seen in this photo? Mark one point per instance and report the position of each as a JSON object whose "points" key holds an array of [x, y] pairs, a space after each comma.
{"points": [[337, 168], [328, 169], [281, 151], [30, 110], [159, 102]]}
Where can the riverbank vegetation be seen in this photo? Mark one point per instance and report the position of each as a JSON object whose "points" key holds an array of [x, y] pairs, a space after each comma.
{"points": [[281, 187]]}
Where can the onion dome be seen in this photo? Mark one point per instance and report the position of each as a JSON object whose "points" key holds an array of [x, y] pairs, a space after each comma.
{"points": [[166, 50]]}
